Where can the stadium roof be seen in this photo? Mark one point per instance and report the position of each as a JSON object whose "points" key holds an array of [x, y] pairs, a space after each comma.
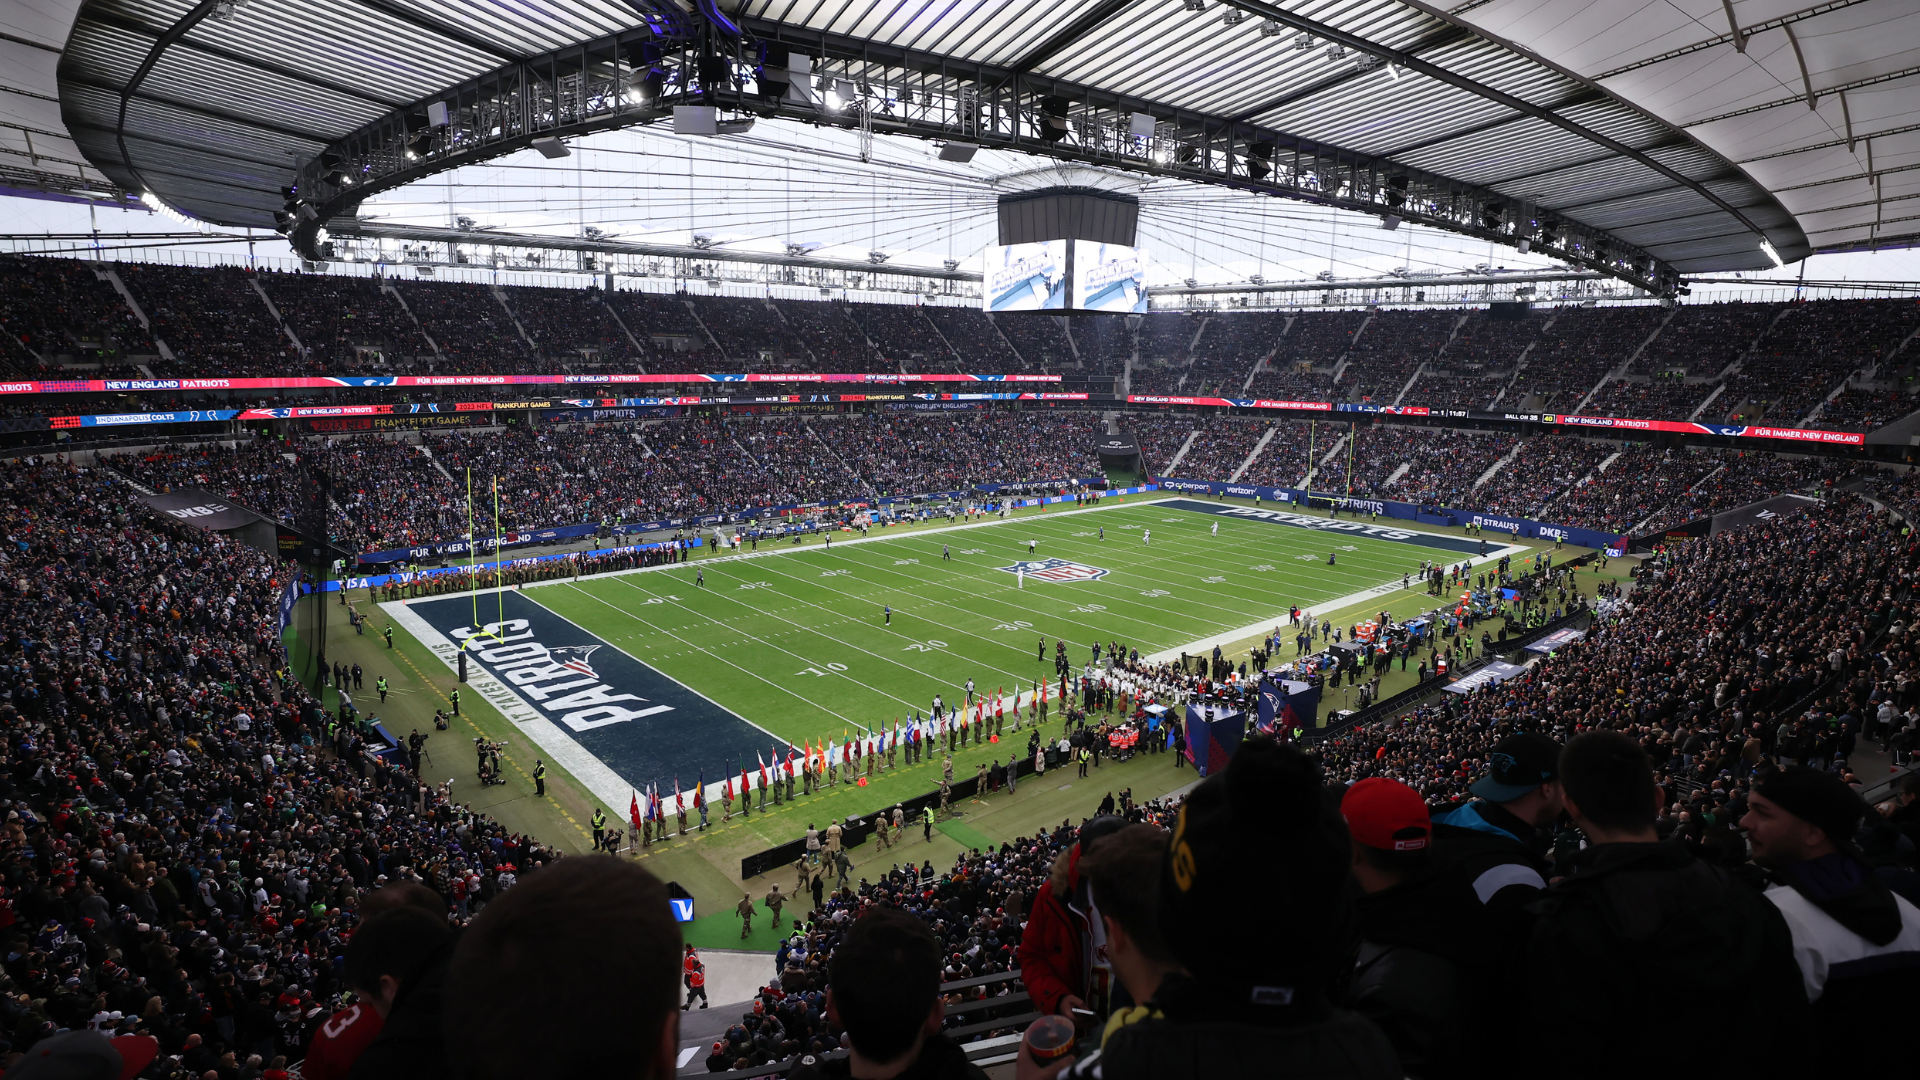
{"points": [[1657, 124]]}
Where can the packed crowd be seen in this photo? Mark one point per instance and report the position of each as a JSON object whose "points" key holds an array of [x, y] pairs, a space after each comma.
{"points": [[1394, 346], [211, 319], [199, 862], [1748, 477], [572, 324], [1641, 480], [58, 312], [54, 308], [1579, 346], [1813, 348], [1664, 397], [1545, 466], [1702, 339], [394, 493], [1484, 343], [190, 839]]}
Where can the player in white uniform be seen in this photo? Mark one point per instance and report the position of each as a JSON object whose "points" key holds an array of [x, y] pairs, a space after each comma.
{"points": [[1216, 528], [1146, 536]]}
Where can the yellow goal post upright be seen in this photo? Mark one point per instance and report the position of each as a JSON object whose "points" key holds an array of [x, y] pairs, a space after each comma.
{"points": [[482, 634]]}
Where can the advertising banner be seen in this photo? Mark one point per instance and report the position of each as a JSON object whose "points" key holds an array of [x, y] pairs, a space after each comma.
{"points": [[1490, 674], [332, 382], [201, 508]]}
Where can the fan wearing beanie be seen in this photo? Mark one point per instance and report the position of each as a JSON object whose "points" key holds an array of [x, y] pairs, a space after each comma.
{"points": [[1257, 837], [1858, 944]]}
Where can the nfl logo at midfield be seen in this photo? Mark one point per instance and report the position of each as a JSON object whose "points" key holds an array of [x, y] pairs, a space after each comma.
{"points": [[1056, 570]]}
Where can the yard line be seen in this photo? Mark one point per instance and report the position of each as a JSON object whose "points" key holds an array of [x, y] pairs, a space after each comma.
{"points": [[762, 641], [908, 613], [838, 641], [747, 671]]}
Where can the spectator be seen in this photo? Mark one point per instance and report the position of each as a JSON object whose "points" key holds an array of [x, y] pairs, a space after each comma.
{"points": [[1422, 936], [1057, 948], [377, 964], [574, 972], [396, 963], [1494, 843], [1636, 913], [1857, 943], [1123, 882], [886, 996], [1256, 837]]}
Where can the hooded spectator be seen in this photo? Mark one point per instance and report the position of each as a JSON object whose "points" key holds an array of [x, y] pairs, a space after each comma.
{"points": [[1858, 944]]}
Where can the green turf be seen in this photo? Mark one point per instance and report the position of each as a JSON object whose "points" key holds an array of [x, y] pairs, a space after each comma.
{"points": [[796, 642]]}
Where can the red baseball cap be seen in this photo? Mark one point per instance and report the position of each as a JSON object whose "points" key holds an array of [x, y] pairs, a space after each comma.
{"points": [[1387, 814]]}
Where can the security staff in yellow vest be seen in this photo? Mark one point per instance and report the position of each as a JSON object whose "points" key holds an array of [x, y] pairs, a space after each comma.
{"points": [[599, 826]]}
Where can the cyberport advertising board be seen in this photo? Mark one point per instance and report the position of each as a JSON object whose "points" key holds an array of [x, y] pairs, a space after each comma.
{"points": [[1108, 278], [1026, 277]]}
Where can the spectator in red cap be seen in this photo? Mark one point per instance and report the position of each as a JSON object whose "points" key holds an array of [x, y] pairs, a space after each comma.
{"points": [[1419, 967]]}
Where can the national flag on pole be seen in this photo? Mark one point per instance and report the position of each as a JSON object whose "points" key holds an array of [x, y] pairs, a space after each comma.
{"points": [[763, 768], [700, 791], [745, 785], [679, 800], [633, 811]]}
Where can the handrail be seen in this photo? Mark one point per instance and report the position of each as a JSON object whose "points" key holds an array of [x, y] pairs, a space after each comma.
{"points": [[1019, 1021]]}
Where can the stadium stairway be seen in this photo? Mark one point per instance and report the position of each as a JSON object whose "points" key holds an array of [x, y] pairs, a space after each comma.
{"points": [[1167, 470], [1493, 470], [1265, 438]]}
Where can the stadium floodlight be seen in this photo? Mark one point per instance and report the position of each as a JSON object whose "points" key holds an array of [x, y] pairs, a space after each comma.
{"points": [[437, 115], [551, 148], [1260, 160], [1271, 28], [1140, 125], [1052, 120], [957, 151], [737, 126], [1767, 246], [1525, 245], [1390, 222]]}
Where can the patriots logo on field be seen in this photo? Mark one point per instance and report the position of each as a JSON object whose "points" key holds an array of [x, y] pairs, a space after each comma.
{"points": [[574, 658], [1056, 570]]}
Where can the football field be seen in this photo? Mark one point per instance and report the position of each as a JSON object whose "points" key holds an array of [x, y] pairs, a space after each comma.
{"points": [[645, 676]]}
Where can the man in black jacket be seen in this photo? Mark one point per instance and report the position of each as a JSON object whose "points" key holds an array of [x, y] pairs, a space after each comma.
{"points": [[1419, 971], [1858, 944], [1640, 925], [1497, 844]]}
